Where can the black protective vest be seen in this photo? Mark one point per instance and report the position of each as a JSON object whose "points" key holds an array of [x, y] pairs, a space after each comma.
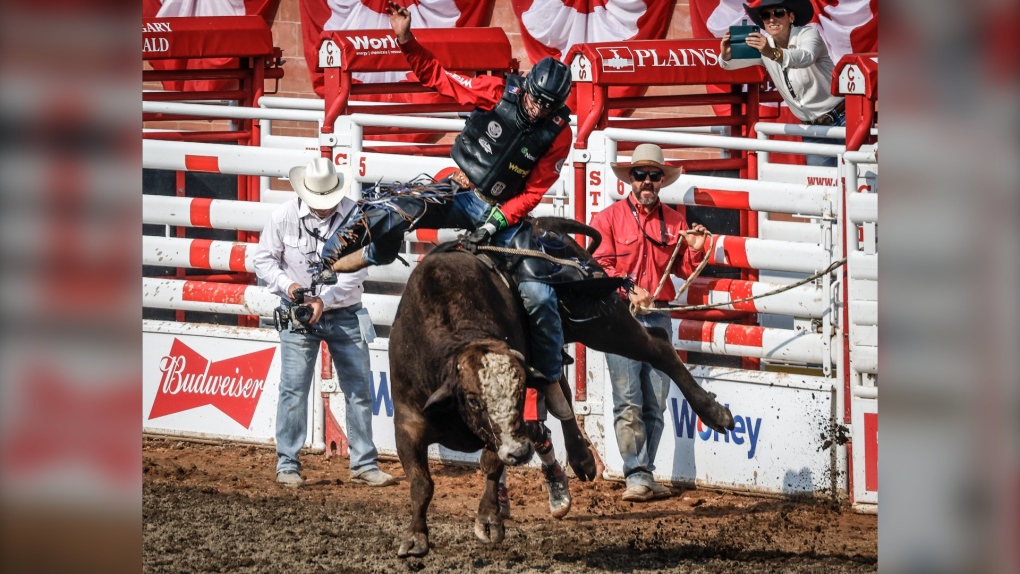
{"points": [[496, 155]]}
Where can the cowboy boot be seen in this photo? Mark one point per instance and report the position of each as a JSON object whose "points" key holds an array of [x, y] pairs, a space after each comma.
{"points": [[351, 262]]}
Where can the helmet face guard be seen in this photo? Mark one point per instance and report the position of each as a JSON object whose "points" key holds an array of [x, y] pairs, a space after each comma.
{"points": [[547, 85]]}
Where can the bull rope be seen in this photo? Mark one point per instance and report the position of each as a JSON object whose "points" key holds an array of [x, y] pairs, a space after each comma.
{"points": [[535, 253], [829, 269], [681, 239]]}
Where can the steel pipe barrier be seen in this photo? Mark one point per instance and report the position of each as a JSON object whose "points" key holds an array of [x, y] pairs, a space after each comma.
{"points": [[736, 340], [255, 300], [197, 253], [201, 212]]}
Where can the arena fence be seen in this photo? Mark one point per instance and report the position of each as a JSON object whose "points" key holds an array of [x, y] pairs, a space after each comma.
{"points": [[810, 389]]}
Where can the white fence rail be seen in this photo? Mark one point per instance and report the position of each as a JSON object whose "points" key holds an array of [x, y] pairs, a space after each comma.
{"points": [[779, 405]]}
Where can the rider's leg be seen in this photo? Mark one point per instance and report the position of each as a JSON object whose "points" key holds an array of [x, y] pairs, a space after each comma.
{"points": [[545, 327]]}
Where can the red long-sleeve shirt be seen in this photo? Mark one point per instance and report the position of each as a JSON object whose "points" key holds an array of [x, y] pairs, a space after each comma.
{"points": [[485, 92], [626, 251]]}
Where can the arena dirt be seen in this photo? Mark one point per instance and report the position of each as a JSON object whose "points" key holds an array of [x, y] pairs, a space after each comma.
{"points": [[212, 508]]}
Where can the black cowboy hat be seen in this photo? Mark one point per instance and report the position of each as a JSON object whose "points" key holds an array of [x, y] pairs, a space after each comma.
{"points": [[802, 10]]}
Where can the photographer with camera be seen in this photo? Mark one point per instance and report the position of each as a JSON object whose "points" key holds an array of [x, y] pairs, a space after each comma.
{"points": [[317, 306]]}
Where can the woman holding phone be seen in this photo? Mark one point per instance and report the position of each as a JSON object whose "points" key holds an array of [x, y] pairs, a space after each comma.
{"points": [[798, 62]]}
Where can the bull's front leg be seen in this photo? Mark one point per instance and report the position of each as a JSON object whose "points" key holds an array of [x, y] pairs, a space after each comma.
{"points": [[621, 334], [413, 452], [489, 523]]}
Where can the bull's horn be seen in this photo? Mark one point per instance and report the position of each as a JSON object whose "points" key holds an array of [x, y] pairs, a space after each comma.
{"points": [[517, 354]]}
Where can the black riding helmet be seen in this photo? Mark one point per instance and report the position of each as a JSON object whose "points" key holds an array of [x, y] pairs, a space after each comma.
{"points": [[548, 83]]}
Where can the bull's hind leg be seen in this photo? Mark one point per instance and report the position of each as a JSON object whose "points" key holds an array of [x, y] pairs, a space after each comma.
{"points": [[621, 334], [489, 523], [413, 452], [580, 455]]}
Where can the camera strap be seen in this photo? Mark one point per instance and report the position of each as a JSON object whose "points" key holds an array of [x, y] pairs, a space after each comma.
{"points": [[662, 224]]}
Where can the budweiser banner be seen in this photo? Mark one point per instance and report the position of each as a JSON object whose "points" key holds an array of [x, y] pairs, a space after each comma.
{"points": [[203, 8], [210, 386]]}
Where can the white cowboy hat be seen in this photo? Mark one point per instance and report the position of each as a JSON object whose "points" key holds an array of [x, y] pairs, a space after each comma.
{"points": [[320, 184], [647, 154]]}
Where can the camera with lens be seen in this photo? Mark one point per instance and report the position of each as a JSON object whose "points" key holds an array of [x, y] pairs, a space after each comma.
{"points": [[296, 314]]}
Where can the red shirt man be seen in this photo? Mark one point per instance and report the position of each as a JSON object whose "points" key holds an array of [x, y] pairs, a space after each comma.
{"points": [[639, 233]]}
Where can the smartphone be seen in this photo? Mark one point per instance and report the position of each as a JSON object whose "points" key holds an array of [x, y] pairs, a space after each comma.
{"points": [[738, 43]]}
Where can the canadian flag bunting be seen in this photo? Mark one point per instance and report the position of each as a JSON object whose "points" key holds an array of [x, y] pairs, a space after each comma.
{"points": [[552, 27], [320, 15], [185, 8], [846, 27]]}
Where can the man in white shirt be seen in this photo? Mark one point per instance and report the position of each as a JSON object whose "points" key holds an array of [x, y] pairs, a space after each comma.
{"points": [[285, 258]]}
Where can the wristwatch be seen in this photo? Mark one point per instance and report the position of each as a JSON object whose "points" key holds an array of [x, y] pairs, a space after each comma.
{"points": [[777, 54]]}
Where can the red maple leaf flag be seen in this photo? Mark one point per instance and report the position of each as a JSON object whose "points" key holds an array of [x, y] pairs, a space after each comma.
{"points": [[201, 8]]}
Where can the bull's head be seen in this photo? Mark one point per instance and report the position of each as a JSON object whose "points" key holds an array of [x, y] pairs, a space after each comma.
{"points": [[485, 384]]}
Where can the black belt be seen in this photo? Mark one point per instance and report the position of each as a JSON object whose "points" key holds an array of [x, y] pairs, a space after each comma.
{"points": [[660, 304], [830, 117]]}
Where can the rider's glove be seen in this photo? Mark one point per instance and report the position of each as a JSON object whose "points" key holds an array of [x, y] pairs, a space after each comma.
{"points": [[481, 235], [496, 218]]}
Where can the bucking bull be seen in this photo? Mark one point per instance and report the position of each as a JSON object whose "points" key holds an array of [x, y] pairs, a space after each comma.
{"points": [[459, 374]]}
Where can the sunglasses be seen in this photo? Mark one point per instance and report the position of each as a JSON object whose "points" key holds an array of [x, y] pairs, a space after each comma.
{"points": [[778, 13], [639, 175]]}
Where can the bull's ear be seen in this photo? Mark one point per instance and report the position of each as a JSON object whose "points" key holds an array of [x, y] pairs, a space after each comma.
{"points": [[442, 400]]}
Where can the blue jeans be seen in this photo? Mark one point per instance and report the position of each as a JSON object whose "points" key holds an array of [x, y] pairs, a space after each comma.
{"points": [[824, 160], [464, 211], [639, 400], [467, 211], [546, 328], [342, 333]]}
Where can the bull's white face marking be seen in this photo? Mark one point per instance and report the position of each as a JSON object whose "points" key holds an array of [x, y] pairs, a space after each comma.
{"points": [[499, 384]]}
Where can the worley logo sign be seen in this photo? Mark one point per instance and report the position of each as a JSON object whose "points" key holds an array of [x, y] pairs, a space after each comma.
{"points": [[189, 380], [688, 425]]}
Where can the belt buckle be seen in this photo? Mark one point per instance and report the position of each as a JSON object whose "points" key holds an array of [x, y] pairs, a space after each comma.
{"points": [[482, 196], [825, 119]]}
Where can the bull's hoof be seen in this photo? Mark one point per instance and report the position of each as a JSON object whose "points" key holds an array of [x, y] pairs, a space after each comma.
{"points": [[489, 528], [415, 544], [583, 464], [580, 456], [716, 416]]}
